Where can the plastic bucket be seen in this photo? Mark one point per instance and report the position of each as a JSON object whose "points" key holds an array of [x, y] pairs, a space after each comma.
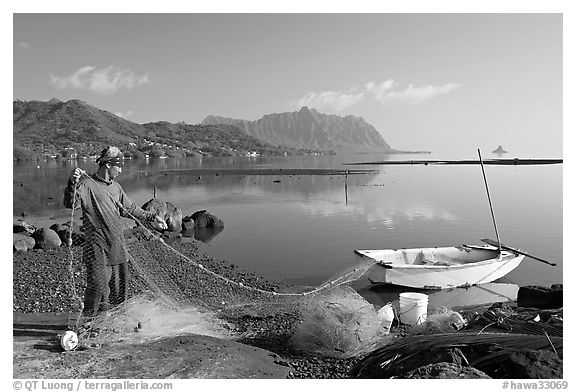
{"points": [[413, 308]]}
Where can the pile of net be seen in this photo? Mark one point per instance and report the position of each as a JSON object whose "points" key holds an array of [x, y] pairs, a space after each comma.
{"points": [[339, 323], [440, 320], [144, 318]]}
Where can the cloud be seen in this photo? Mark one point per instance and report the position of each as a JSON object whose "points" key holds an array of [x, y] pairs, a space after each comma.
{"points": [[106, 80], [387, 92], [24, 45], [411, 95], [335, 101]]}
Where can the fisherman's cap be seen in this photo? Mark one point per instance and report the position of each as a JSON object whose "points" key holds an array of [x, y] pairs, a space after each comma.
{"points": [[111, 155]]}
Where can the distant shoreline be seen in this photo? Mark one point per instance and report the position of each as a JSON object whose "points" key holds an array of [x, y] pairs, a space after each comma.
{"points": [[264, 172], [393, 152], [514, 161]]}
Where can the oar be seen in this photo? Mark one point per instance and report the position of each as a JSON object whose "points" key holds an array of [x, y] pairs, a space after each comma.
{"points": [[495, 244]]}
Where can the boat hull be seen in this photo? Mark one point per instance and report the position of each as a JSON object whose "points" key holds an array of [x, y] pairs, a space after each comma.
{"points": [[467, 266]]}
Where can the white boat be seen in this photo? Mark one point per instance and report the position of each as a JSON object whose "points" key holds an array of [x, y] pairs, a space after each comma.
{"points": [[445, 267]]}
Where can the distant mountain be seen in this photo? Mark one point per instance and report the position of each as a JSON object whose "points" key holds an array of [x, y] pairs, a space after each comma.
{"points": [[307, 128], [76, 128]]}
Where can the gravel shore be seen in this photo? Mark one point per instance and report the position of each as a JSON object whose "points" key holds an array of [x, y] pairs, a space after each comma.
{"points": [[53, 280]]}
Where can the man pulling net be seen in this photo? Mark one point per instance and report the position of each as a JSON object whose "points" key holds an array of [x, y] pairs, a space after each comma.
{"points": [[104, 203], [187, 292]]}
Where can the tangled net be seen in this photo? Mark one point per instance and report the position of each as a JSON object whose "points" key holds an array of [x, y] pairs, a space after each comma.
{"points": [[176, 292]]}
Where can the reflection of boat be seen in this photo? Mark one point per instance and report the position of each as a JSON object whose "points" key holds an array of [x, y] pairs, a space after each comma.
{"points": [[446, 267], [487, 293]]}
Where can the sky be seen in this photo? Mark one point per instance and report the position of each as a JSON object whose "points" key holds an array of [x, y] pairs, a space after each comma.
{"points": [[439, 82]]}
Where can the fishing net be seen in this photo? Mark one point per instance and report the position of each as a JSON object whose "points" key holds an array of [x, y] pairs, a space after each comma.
{"points": [[167, 287], [339, 323]]}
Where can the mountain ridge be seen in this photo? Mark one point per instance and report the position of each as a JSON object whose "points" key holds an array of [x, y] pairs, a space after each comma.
{"points": [[75, 128], [310, 128]]}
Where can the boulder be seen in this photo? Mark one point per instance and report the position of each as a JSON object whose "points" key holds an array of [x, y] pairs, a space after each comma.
{"points": [[166, 210], [157, 206], [46, 238], [23, 227], [173, 217], [63, 231], [540, 297], [23, 242], [203, 219], [188, 226]]}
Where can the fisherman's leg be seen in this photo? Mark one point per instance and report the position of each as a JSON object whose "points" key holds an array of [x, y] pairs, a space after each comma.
{"points": [[124, 281], [91, 295], [105, 287], [119, 284], [114, 285]]}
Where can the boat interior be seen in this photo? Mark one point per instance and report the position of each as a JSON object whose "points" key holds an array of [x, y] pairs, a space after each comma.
{"points": [[432, 256]]}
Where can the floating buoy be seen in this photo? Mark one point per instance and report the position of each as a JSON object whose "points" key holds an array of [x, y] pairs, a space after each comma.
{"points": [[69, 341]]}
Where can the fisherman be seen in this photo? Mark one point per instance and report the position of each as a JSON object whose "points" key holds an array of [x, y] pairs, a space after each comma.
{"points": [[103, 203]]}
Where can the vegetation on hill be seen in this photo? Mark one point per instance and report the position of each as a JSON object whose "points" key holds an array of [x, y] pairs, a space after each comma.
{"points": [[73, 129]]}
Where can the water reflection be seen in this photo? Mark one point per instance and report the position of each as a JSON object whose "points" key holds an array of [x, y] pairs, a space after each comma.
{"points": [[203, 234], [487, 293], [303, 229]]}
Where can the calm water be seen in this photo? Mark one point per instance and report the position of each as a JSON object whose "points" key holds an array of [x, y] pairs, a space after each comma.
{"points": [[303, 229]]}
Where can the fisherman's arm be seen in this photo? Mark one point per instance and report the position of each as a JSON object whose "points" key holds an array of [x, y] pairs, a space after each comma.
{"points": [[73, 190], [131, 210]]}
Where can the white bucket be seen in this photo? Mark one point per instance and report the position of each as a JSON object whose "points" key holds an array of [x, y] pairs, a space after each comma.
{"points": [[413, 308]]}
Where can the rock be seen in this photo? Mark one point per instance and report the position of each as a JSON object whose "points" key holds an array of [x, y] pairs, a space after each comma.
{"points": [[534, 364], [63, 231], [540, 297], [23, 227], [203, 219], [23, 242], [444, 370], [46, 238], [188, 225], [170, 357], [157, 206], [173, 217], [168, 211]]}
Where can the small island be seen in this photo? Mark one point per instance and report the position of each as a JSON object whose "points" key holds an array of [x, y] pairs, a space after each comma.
{"points": [[499, 150]]}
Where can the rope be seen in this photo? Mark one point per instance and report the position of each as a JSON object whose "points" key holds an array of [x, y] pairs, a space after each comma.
{"points": [[333, 283], [71, 259]]}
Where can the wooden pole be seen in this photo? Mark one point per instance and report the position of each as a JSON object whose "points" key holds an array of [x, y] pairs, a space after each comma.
{"points": [[346, 186], [490, 202]]}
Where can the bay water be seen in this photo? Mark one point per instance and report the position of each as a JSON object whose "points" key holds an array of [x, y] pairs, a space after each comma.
{"points": [[303, 228]]}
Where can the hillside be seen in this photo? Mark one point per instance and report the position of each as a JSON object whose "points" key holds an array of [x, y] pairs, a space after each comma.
{"points": [[311, 129], [74, 128]]}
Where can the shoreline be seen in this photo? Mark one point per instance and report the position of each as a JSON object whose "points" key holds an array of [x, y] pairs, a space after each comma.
{"points": [[257, 320]]}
